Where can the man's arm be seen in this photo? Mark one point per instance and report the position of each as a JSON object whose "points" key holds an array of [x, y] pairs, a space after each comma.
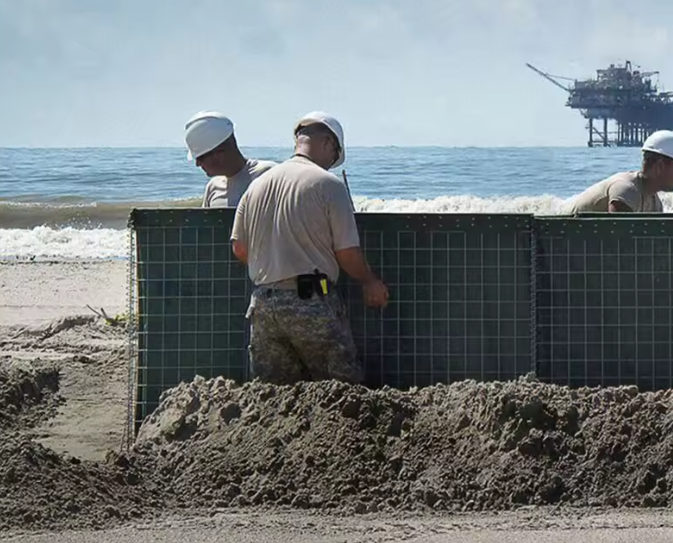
{"points": [[238, 234], [206, 194], [346, 245], [345, 235], [240, 251], [353, 262], [623, 197], [617, 206]]}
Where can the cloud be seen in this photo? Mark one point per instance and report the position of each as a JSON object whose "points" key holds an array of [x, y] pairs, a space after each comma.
{"points": [[41, 34], [521, 12], [622, 37], [511, 13], [389, 68]]}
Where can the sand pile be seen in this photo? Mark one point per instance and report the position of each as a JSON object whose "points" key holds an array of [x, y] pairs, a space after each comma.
{"points": [[469, 446], [51, 391], [41, 489], [28, 393]]}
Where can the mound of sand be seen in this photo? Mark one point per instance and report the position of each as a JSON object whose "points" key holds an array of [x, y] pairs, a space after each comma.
{"points": [[468, 446], [41, 489], [28, 393], [62, 388], [326, 446]]}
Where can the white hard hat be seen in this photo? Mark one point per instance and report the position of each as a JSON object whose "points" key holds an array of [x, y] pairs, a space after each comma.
{"points": [[660, 142], [331, 123], [205, 130]]}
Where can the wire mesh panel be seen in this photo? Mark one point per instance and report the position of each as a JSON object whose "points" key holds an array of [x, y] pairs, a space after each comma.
{"points": [[192, 297], [604, 311], [460, 304]]}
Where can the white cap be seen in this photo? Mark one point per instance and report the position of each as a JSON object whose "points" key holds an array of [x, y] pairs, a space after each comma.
{"points": [[331, 123], [205, 130], [660, 142]]}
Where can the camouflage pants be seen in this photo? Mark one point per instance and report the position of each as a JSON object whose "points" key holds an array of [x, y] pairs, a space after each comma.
{"points": [[293, 339]]}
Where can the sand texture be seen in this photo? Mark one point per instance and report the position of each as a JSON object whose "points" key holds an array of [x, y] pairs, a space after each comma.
{"points": [[39, 292], [310, 462]]}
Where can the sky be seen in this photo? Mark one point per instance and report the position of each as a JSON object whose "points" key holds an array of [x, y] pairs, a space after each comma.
{"points": [[417, 72]]}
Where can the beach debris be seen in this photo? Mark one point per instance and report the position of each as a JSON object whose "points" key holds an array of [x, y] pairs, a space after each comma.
{"points": [[55, 327], [119, 319]]}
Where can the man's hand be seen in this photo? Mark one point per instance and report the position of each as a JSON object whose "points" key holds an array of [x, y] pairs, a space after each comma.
{"points": [[353, 262], [375, 293]]}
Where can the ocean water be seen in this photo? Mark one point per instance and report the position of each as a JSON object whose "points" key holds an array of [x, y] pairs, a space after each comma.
{"points": [[74, 203]]}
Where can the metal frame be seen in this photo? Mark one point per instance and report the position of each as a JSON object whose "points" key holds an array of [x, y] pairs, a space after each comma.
{"points": [[132, 336]]}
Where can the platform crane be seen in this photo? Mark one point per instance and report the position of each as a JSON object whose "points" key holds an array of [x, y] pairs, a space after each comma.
{"points": [[590, 126], [552, 78]]}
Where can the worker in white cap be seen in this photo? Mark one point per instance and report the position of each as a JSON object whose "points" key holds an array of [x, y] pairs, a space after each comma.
{"points": [[632, 191], [211, 143], [295, 229]]}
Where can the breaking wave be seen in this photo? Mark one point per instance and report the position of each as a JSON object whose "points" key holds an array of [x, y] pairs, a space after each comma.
{"points": [[66, 228]]}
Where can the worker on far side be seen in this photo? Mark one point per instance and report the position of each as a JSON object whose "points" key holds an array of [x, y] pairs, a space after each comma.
{"points": [[295, 228], [211, 143], [634, 191]]}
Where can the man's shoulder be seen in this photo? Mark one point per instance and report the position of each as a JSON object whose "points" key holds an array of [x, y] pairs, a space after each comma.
{"points": [[616, 182], [217, 182], [622, 178], [300, 169], [259, 172], [304, 165], [320, 178], [258, 167], [309, 175], [258, 164]]}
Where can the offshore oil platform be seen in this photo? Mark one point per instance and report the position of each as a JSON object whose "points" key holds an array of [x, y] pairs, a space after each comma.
{"points": [[626, 100]]}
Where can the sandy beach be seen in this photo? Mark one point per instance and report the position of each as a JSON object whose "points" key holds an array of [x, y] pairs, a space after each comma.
{"points": [[38, 292], [44, 320], [72, 373]]}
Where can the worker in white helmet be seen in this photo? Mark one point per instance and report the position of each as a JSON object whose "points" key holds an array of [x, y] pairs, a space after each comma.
{"points": [[211, 143], [295, 228], [633, 191]]}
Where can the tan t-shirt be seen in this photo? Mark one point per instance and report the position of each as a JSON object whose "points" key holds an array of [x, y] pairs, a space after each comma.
{"points": [[222, 191], [624, 187], [292, 219]]}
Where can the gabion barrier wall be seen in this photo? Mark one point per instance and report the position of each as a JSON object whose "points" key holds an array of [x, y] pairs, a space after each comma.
{"points": [[579, 301]]}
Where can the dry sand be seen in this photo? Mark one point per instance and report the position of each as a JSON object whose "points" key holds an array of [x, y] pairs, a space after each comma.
{"points": [[307, 463], [299, 527], [39, 292], [38, 298]]}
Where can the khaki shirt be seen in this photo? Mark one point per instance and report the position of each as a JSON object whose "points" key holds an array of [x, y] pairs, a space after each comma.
{"points": [[222, 191], [292, 219], [624, 187]]}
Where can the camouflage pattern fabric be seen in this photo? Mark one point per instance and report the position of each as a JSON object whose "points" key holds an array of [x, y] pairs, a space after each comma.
{"points": [[293, 340]]}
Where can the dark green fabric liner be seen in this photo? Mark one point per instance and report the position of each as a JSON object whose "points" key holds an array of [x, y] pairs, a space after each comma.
{"points": [[579, 300]]}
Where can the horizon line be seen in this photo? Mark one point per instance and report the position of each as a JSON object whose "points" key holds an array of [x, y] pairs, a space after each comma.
{"points": [[380, 146]]}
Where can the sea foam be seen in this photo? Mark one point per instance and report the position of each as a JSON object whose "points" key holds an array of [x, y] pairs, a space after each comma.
{"points": [[63, 241]]}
